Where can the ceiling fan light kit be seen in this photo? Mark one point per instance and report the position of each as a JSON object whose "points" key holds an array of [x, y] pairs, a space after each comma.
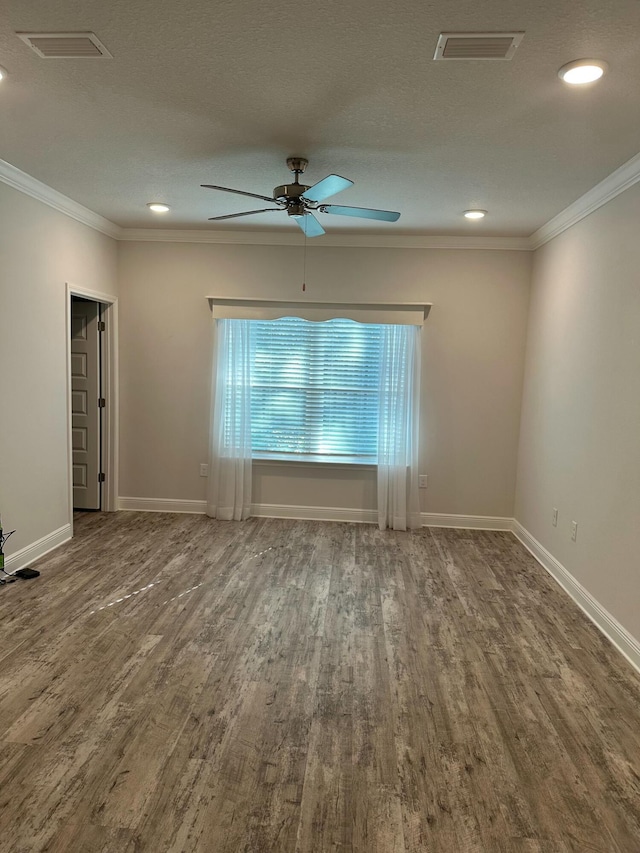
{"points": [[301, 201]]}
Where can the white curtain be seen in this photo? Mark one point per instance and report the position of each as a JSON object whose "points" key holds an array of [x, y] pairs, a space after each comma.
{"points": [[229, 491], [398, 501]]}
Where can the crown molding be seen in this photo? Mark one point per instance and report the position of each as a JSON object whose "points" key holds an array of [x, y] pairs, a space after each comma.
{"points": [[285, 238], [20, 180], [617, 182]]}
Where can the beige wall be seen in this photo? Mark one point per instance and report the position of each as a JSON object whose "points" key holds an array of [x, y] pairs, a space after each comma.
{"points": [[40, 250], [580, 440], [578, 425], [473, 354]]}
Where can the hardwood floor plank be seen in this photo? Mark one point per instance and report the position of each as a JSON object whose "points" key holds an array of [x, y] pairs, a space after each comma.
{"points": [[174, 684], [352, 804]]}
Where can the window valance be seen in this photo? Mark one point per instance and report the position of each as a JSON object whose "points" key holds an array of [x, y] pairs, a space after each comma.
{"points": [[404, 314]]}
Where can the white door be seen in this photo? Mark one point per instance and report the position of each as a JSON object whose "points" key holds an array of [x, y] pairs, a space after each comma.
{"points": [[85, 403]]}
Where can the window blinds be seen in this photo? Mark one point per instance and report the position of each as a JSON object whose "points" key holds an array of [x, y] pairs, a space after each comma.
{"points": [[314, 388]]}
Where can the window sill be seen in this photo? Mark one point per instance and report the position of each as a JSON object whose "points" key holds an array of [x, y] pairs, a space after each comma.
{"points": [[351, 462]]}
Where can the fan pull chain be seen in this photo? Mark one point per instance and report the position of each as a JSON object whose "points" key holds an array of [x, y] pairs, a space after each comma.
{"points": [[304, 262]]}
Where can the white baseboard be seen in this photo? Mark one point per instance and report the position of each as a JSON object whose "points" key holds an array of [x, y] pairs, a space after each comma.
{"points": [[162, 505], [38, 549], [318, 513], [466, 522], [315, 513], [602, 619]]}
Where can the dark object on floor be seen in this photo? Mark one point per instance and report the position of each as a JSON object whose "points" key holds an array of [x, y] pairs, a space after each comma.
{"points": [[26, 574]]}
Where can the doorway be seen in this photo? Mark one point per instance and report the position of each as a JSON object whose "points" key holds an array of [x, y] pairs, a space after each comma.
{"points": [[92, 400], [87, 402]]}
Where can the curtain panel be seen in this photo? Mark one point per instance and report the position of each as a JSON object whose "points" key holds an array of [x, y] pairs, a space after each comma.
{"points": [[229, 488], [398, 429]]}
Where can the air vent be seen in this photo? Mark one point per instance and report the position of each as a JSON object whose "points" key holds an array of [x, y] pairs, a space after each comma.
{"points": [[66, 45], [477, 45]]}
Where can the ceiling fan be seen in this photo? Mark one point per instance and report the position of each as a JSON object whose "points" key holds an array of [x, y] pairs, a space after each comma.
{"points": [[301, 201]]}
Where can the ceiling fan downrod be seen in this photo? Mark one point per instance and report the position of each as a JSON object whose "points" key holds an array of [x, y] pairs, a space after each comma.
{"points": [[289, 195], [297, 165]]}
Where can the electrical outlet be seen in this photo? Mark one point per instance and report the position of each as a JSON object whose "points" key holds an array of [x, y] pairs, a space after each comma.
{"points": [[554, 517], [204, 469], [422, 481], [574, 531]]}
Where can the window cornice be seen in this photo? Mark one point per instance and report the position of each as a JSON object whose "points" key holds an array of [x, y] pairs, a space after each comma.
{"points": [[393, 313]]}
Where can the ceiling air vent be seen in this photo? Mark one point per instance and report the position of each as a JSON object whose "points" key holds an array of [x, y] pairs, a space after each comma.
{"points": [[477, 45], [66, 45]]}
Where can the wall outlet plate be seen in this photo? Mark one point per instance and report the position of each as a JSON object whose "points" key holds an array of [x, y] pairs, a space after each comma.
{"points": [[554, 517], [422, 481], [204, 469], [574, 531]]}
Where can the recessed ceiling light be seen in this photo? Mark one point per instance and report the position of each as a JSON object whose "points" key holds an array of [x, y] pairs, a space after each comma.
{"points": [[3, 72], [582, 71], [157, 207], [475, 214]]}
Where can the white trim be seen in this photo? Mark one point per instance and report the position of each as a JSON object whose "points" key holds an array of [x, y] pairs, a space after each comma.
{"points": [[112, 417], [244, 308], [111, 433], [602, 619], [162, 505], [617, 182], [87, 293], [349, 463], [37, 549], [294, 238], [23, 182], [299, 513], [318, 513], [466, 522]]}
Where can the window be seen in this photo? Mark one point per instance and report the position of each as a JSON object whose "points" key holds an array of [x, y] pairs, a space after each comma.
{"points": [[331, 390], [315, 389]]}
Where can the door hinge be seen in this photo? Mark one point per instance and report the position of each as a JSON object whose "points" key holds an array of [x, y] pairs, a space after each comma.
{"points": [[101, 326], [101, 402], [101, 478]]}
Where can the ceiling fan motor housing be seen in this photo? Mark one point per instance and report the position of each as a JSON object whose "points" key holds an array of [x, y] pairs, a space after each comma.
{"points": [[289, 192], [296, 208]]}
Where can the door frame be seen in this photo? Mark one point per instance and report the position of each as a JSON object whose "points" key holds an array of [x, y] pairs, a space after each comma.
{"points": [[110, 443]]}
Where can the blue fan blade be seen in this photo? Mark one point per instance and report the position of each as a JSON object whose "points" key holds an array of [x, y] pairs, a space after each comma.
{"points": [[309, 225], [245, 213], [364, 212], [238, 192], [330, 185]]}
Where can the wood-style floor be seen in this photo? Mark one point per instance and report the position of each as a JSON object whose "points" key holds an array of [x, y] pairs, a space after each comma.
{"points": [[173, 683]]}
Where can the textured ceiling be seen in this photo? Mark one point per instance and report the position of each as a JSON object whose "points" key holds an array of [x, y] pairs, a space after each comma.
{"points": [[221, 92]]}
